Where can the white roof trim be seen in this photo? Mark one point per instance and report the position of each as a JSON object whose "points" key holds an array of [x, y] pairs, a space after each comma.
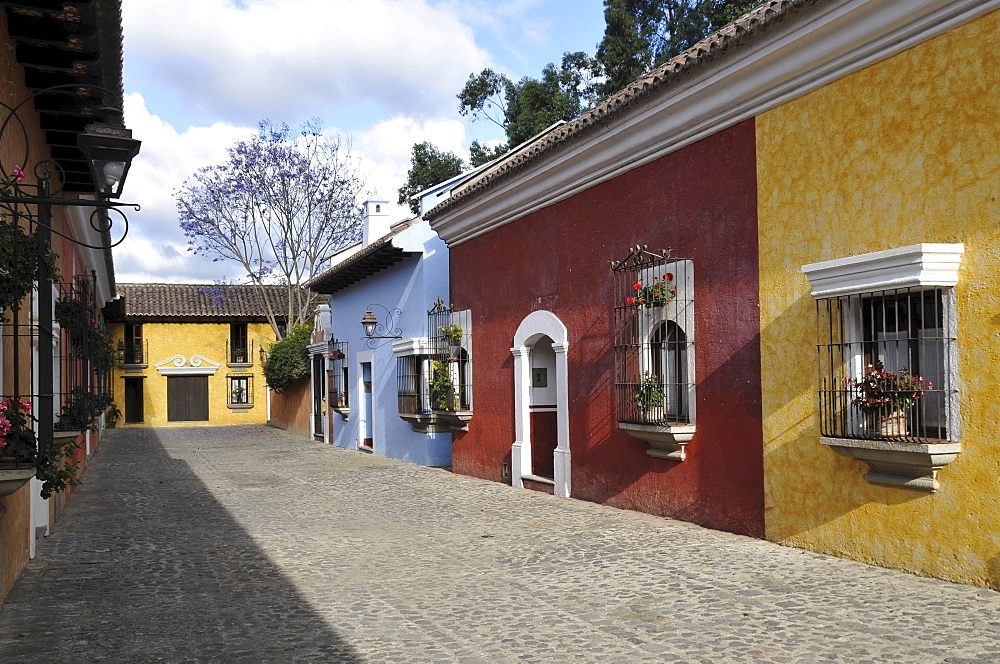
{"points": [[181, 367], [913, 266]]}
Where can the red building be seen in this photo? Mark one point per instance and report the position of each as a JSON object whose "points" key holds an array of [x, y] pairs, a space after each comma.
{"points": [[582, 389]]}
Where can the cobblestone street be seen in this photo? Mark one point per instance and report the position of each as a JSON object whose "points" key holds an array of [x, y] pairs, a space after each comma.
{"points": [[247, 544]]}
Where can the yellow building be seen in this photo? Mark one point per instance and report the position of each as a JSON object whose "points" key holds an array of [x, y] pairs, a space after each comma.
{"points": [[192, 354], [880, 244]]}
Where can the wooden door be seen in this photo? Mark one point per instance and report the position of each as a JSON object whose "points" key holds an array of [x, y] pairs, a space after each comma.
{"points": [[133, 401], [187, 398]]}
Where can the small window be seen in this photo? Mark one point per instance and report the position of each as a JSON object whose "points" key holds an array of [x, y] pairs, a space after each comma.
{"points": [[654, 338], [887, 356], [886, 365], [450, 335], [339, 374], [134, 350], [240, 391], [413, 383], [239, 348]]}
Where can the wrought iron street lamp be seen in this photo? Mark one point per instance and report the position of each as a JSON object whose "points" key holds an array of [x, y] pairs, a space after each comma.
{"points": [[371, 325]]}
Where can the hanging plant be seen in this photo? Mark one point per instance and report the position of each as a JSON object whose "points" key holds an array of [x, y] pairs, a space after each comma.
{"points": [[89, 340], [19, 264]]}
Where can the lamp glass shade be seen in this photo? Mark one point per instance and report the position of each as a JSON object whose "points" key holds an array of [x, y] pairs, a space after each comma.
{"points": [[368, 322], [109, 152]]}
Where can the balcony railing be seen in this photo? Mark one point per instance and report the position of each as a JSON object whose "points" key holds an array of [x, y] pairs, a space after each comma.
{"points": [[242, 354], [135, 353]]}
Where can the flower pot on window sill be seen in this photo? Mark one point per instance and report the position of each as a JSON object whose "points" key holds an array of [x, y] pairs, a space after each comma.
{"points": [[888, 425], [897, 463], [666, 441]]}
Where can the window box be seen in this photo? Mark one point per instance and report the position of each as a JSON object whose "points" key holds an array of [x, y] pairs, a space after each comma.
{"points": [[898, 463]]}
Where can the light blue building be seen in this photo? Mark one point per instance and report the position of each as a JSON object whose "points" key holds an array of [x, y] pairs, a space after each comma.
{"points": [[402, 388]]}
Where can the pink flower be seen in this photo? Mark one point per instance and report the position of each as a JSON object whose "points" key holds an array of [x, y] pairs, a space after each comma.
{"points": [[18, 173]]}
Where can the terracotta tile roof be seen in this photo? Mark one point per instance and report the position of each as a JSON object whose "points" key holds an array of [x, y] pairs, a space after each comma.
{"points": [[196, 301], [715, 45]]}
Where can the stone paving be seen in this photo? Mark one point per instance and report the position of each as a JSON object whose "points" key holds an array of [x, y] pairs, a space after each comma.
{"points": [[248, 544]]}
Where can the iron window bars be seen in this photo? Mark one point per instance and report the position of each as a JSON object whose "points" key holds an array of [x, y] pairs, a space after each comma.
{"points": [[887, 365], [451, 370], [654, 338], [239, 349], [339, 377], [240, 390], [135, 350], [82, 374]]}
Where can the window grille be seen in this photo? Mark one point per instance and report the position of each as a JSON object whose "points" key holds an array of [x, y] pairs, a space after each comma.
{"points": [[451, 368], [887, 363], [654, 338], [339, 385], [240, 389], [135, 350], [86, 355], [240, 349], [411, 384]]}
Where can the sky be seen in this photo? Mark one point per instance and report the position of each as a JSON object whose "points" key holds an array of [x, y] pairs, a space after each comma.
{"points": [[200, 74]]}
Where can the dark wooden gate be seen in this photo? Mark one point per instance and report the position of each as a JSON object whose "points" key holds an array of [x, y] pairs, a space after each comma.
{"points": [[133, 400], [187, 398]]}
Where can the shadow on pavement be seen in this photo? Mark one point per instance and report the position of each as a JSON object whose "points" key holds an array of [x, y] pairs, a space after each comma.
{"points": [[145, 565]]}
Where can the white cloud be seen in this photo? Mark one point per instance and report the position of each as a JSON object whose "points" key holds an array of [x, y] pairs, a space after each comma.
{"points": [[156, 249], [275, 58], [385, 152]]}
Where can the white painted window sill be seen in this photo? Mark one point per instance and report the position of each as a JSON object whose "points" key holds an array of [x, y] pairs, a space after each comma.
{"points": [[665, 441], [897, 463]]}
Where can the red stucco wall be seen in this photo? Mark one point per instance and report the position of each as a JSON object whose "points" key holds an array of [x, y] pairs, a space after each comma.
{"points": [[700, 201]]}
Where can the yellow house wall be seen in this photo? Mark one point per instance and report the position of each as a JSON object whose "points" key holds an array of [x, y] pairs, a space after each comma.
{"points": [[165, 340], [905, 151]]}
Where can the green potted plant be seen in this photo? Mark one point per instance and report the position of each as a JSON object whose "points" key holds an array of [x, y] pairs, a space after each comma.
{"points": [[443, 393], [649, 397], [82, 407], [885, 398], [452, 334], [113, 415], [239, 394]]}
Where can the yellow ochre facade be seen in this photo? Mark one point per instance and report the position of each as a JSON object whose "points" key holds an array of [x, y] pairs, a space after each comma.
{"points": [[188, 340], [190, 354], [903, 152]]}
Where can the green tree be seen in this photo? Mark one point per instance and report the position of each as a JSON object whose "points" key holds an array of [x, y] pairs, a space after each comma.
{"points": [[428, 166], [527, 107], [288, 359], [480, 154], [640, 35]]}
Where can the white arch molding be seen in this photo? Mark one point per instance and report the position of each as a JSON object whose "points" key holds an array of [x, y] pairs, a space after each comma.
{"points": [[532, 328]]}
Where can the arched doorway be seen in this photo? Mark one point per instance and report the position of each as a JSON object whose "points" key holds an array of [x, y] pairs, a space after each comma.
{"points": [[541, 400]]}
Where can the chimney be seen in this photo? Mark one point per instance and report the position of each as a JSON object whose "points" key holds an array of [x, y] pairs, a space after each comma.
{"points": [[376, 221]]}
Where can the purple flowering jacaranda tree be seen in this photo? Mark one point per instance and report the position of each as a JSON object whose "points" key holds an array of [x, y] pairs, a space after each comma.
{"points": [[280, 206]]}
